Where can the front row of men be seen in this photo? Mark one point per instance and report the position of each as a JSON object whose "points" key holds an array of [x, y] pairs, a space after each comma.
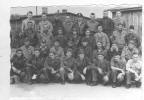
{"points": [[67, 67]]}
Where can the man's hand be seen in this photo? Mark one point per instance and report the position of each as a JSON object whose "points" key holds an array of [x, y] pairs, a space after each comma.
{"points": [[84, 70], [82, 76], [100, 71]]}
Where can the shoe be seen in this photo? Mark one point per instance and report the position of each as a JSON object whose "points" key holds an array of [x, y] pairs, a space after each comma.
{"points": [[114, 85], [94, 84], [63, 82], [128, 86], [138, 84]]}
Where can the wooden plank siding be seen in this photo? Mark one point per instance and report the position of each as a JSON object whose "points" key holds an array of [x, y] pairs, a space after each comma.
{"points": [[132, 17]]}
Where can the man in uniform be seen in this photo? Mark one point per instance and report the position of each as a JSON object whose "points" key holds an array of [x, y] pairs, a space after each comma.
{"points": [[36, 65], [128, 51], [69, 64], [107, 24], [81, 63], [118, 70], [18, 67], [27, 49], [119, 20], [118, 36], [103, 38], [61, 38], [133, 68], [45, 28], [68, 25], [80, 25], [92, 24], [29, 19], [53, 70], [57, 49]]}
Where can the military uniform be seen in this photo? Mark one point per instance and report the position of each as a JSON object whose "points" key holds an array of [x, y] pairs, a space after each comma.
{"points": [[127, 53], [25, 24], [18, 67], [54, 64], [27, 51], [117, 75], [118, 37], [103, 38], [92, 26]]}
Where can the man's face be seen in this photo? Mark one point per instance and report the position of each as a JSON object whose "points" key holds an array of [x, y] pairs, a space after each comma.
{"points": [[60, 32], [100, 28], [51, 55], [37, 53], [131, 45], [19, 53], [118, 14], [99, 45], [29, 15], [44, 17], [87, 33], [92, 17], [81, 56], [69, 54], [105, 14], [117, 58], [56, 44], [84, 43], [100, 57], [26, 43], [74, 32], [131, 30], [135, 57], [120, 27]]}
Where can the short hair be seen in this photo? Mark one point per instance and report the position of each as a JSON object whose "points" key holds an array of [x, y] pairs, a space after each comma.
{"points": [[18, 50], [92, 13], [99, 25], [131, 27], [29, 12]]}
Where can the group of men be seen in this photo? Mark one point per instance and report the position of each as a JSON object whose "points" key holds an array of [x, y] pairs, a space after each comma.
{"points": [[77, 51]]}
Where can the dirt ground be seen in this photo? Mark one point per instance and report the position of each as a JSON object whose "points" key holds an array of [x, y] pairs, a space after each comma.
{"points": [[72, 92]]}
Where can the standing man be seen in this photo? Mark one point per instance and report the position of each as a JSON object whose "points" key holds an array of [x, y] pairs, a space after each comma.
{"points": [[107, 24], [118, 36], [29, 19], [68, 25], [92, 24], [80, 25], [119, 20], [103, 38], [45, 28]]}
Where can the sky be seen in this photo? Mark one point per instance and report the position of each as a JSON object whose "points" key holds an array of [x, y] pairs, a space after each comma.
{"points": [[85, 10]]}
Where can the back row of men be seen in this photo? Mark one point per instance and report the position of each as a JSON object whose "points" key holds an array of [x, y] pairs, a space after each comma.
{"points": [[76, 52]]}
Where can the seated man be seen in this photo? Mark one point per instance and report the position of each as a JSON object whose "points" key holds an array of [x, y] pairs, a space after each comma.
{"points": [[103, 69], [35, 65], [133, 36], [53, 71], [128, 51], [103, 38], [118, 70], [18, 67], [27, 49], [99, 48], [133, 71], [61, 38], [81, 63], [57, 49], [69, 64], [118, 37]]}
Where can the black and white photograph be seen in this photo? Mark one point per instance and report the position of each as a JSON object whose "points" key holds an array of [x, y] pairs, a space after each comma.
{"points": [[77, 52]]}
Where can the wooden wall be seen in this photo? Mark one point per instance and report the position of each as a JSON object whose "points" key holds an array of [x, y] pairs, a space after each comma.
{"points": [[133, 18]]}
